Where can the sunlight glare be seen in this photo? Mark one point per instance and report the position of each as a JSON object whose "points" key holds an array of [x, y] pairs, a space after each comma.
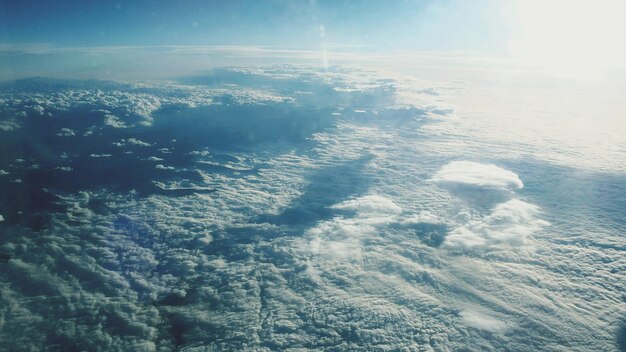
{"points": [[577, 37]]}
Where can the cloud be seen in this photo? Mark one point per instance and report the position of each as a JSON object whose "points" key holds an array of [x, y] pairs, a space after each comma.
{"points": [[132, 258], [114, 121], [66, 132], [475, 318], [138, 142], [472, 174], [510, 223], [340, 238], [501, 220], [370, 205], [439, 108], [481, 185], [9, 125]]}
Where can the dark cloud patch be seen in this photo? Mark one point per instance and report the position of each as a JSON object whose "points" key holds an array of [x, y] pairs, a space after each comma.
{"points": [[326, 187], [231, 126], [431, 234], [589, 199], [620, 339]]}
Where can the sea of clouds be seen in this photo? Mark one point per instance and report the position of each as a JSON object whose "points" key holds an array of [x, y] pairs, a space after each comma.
{"points": [[289, 208]]}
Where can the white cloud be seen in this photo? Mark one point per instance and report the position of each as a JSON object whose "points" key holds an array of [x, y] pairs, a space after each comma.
{"points": [[66, 132], [138, 142], [439, 108], [340, 238], [476, 318], [9, 125], [472, 174], [509, 223], [113, 121], [370, 205]]}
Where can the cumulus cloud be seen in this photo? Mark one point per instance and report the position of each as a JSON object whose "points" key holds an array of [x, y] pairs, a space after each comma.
{"points": [[138, 142], [9, 125], [114, 121], [472, 174], [509, 223], [482, 185], [340, 238], [66, 132], [132, 141], [368, 205]]}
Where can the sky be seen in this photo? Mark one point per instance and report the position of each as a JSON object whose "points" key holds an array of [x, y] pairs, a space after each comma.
{"points": [[575, 38], [67, 38], [407, 24]]}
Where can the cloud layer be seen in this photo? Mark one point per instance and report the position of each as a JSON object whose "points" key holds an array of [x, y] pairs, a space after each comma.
{"points": [[285, 208]]}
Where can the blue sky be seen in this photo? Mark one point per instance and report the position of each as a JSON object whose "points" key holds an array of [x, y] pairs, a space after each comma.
{"points": [[569, 38], [416, 24]]}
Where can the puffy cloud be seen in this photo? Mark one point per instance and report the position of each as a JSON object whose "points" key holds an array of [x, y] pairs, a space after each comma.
{"points": [[472, 174], [509, 223], [9, 125], [138, 142], [340, 238], [114, 121], [370, 205], [482, 185], [132, 141], [66, 132]]}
